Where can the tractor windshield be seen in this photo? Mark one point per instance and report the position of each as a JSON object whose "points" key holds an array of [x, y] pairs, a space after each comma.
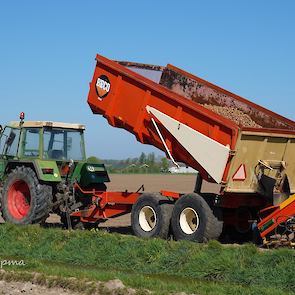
{"points": [[30, 143], [63, 144]]}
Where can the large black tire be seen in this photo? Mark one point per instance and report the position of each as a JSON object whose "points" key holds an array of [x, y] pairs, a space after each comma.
{"points": [[24, 199], [150, 216], [194, 220]]}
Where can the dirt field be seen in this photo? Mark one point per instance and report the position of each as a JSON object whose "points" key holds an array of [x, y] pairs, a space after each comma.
{"points": [[182, 183]]}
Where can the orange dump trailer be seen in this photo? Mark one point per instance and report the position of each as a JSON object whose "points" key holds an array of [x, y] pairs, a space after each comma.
{"points": [[195, 122]]}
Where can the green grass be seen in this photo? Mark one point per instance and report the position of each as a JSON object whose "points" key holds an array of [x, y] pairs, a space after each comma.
{"points": [[155, 264]]}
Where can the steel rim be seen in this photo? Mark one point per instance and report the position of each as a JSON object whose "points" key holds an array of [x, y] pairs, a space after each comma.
{"points": [[189, 221], [147, 218], [19, 199]]}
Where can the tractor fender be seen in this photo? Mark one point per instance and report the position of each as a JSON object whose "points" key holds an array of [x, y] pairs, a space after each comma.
{"points": [[36, 166]]}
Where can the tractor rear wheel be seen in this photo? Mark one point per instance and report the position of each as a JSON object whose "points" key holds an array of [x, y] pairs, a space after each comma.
{"points": [[24, 199], [150, 216], [194, 220]]}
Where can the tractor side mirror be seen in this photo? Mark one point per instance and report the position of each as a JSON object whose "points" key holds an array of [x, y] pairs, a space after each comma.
{"points": [[10, 139]]}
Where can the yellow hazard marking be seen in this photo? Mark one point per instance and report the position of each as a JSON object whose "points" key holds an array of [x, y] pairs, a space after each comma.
{"points": [[287, 202]]}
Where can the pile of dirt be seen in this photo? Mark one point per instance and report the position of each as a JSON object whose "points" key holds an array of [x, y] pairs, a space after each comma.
{"points": [[233, 114], [38, 285], [9, 286]]}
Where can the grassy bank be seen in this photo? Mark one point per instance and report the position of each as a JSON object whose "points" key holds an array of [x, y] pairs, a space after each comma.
{"points": [[154, 264]]}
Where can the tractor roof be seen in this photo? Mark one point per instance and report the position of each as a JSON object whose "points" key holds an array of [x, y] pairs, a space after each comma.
{"points": [[48, 124]]}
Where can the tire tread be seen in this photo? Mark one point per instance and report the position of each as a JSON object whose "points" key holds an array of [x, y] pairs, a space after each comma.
{"points": [[211, 227], [42, 193]]}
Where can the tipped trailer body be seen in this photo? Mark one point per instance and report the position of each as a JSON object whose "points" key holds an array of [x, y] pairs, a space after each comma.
{"points": [[172, 110]]}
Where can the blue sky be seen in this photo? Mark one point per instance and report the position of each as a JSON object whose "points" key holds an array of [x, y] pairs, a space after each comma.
{"points": [[48, 49]]}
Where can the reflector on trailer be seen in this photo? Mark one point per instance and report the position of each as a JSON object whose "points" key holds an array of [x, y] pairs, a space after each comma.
{"points": [[240, 174]]}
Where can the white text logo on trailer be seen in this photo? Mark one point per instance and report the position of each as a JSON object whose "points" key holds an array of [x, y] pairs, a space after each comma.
{"points": [[102, 86]]}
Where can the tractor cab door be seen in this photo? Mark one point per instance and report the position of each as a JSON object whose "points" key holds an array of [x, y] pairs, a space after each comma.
{"points": [[9, 142]]}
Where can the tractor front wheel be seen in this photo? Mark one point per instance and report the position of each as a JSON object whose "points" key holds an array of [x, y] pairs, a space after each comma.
{"points": [[24, 199]]}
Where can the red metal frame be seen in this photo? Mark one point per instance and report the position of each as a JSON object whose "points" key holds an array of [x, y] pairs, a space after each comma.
{"points": [[110, 204], [106, 204], [234, 200]]}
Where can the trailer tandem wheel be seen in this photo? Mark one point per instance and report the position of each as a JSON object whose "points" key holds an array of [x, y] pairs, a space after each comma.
{"points": [[194, 220], [24, 199], [150, 216]]}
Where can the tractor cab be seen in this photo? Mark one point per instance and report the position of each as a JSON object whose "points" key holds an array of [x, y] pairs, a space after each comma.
{"points": [[44, 140], [56, 150], [49, 141]]}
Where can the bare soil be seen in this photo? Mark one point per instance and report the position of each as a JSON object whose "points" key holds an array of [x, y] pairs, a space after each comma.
{"points": [[13, 288], [32, 287], [234, 114]]}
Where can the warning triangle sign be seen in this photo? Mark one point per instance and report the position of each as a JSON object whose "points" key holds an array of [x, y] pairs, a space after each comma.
{"points": [[240, 174]]}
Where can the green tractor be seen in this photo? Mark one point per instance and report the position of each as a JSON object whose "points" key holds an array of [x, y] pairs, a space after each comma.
{"points": [[41, 165]]}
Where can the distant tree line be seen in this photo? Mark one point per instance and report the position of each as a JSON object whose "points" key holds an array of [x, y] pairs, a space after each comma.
{"points": [[143, 164]]}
